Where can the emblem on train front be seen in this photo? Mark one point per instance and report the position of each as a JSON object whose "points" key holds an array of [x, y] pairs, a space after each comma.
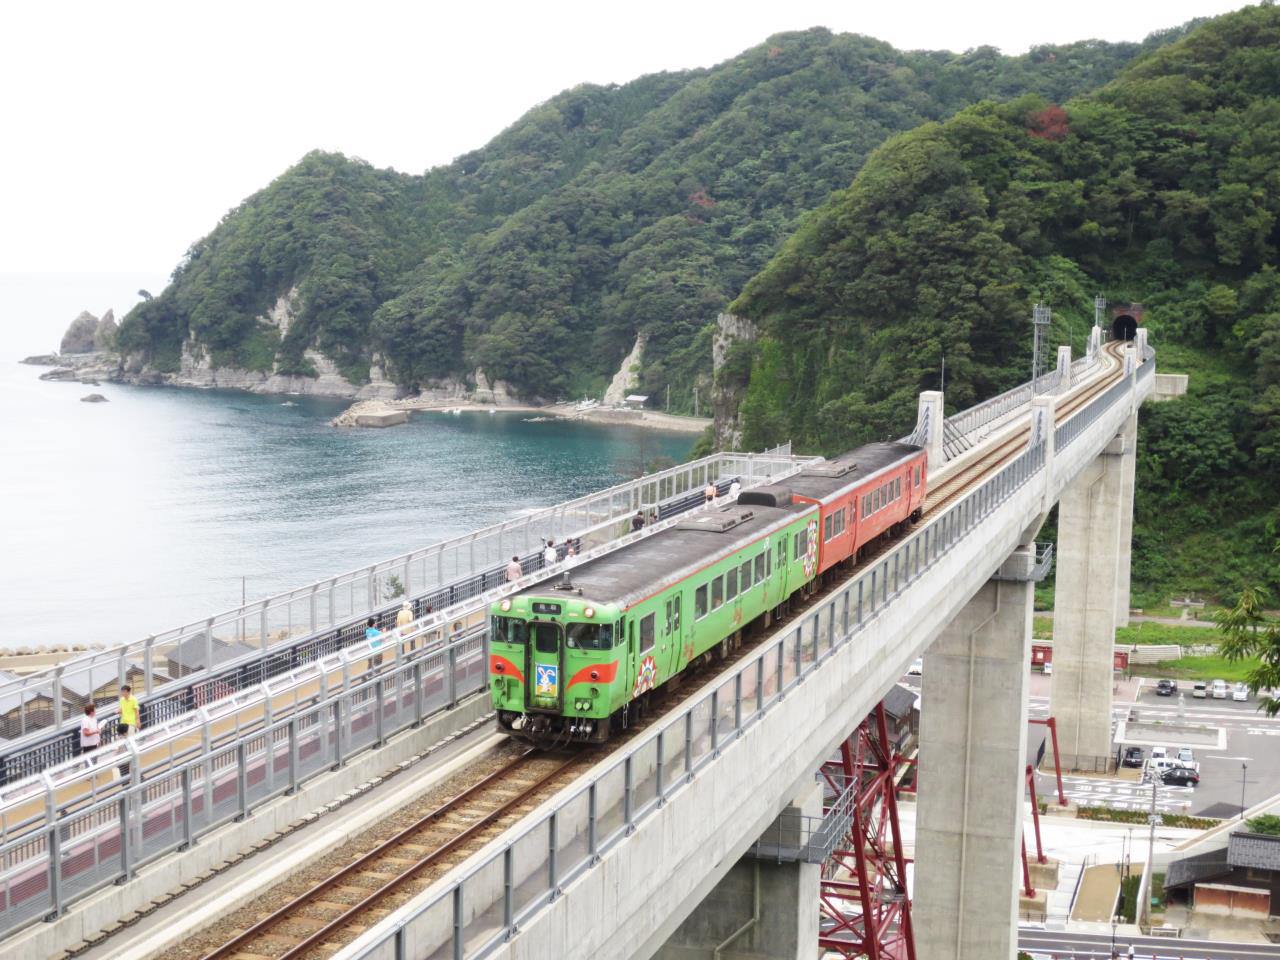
{"points": [[547, 680]]}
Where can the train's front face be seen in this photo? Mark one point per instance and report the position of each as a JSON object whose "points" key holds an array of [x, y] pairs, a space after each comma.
{"points": [[556, 667]]}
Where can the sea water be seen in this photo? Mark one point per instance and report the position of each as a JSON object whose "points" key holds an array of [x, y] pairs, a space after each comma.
{"points": [[125, 518]]}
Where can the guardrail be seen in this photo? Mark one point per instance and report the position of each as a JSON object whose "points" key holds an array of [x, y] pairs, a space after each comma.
{"points": [[514, 883], [175, 676]]}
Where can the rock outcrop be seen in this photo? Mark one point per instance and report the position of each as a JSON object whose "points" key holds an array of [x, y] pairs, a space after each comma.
{"points": [[79, 336], [729, 384], [104, 338], [93, 398], [627, 378]]}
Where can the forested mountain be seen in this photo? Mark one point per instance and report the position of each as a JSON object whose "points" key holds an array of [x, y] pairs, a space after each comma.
{"points": [[1162, 187], [602, 214]]}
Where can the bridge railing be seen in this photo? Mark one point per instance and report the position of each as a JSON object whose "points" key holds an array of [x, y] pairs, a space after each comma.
{"points": [[487, 904], [199, 663]]}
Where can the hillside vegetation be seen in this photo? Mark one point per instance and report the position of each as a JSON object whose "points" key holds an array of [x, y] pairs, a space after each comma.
{"points": [[604, 213], [1162, 187]]}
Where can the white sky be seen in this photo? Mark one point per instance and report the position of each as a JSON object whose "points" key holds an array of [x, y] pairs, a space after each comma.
{"points": [[130, 128]]}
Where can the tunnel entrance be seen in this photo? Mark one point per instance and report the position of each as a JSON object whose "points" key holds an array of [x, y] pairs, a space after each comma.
{"points": [[1124, 327]]}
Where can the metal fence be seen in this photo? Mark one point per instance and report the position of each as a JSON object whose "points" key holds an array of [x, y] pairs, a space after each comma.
{"points": [[199, 664], [484, 907], [116, 827]]}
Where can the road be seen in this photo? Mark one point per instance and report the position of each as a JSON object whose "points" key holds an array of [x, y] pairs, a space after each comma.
{"points": [[1060, 945]]}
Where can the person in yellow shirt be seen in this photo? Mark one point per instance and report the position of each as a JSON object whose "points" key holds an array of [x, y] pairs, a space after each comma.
{"points": [[405, 616], [129, 711]]}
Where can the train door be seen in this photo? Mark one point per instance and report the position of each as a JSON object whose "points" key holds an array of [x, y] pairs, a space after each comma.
{"points": [[669, 647], [631, 655], [545, 669]]}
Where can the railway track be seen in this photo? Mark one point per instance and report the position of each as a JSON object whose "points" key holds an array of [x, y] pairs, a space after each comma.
{"points": [[344, 904]]}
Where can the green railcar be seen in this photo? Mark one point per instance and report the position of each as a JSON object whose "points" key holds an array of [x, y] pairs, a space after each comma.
{"points": [[577, 656]]}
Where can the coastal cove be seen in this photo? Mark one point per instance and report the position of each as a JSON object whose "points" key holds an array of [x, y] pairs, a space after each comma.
{"points": [[137, 514]]}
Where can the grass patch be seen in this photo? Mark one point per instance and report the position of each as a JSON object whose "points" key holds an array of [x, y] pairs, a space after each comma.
{"points": [[1199, 668], [1042, 627], [1140, 816], [1162, 633]]}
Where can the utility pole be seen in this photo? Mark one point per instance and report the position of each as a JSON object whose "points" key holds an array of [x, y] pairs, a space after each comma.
{"points": [[1099, 305], [1244, 778], [695, 401], [1153, 819], [1041, 317], [668, 398], [942, 380]]}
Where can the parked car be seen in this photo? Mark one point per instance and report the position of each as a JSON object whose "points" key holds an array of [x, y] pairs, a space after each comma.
{"points": [[1186, 756], [1220, 689], [1159, 766], [917, 667], [1166, 688], [1180, 777], [1159, 753], [1133, 757], [1200, 690], [1240, 693]]}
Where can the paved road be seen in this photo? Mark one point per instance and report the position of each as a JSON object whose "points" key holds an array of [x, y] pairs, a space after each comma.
{"points": [[1060, 945]]}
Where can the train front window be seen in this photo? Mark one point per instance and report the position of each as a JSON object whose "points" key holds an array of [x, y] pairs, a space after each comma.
{"points": [[588, 636], [546, 637], [510, 630]]}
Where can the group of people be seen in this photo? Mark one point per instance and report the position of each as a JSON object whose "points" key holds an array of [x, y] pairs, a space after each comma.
{"points": [[550, 557], [712, 492], [127, 723]]}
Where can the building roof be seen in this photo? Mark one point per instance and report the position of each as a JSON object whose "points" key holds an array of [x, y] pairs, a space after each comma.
{"points": [[1257, 850], [191, 653], [1194, 869], [899, 701]]}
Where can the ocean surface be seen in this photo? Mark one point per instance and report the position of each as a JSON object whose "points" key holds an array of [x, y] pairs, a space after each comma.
{"points": [[124, 518]]}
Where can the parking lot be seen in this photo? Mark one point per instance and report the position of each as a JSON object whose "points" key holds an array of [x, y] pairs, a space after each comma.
{"points": [[1250, 760]]}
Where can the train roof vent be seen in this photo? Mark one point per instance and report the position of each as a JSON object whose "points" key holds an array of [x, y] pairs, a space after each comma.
{"points": [[830, 468], [769, 495], [717, 521]]}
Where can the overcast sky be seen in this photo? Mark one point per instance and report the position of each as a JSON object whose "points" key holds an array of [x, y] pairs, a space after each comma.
{"points": [[130, 128]]}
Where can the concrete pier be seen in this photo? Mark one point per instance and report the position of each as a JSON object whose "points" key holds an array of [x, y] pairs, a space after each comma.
{"points": [[1091, 516], [760, 910], [1128, 473], [972, 769]]}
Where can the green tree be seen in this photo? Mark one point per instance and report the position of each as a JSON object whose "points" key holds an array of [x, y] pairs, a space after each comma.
{"points": [[1249, 634]]}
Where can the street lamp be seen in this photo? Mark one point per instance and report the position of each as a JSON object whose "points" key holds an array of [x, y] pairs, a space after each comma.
{"points": [[1114, 920], [1244, 777]]}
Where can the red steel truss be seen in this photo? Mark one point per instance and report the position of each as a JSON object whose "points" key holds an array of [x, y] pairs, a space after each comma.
{"points": [[864, 910]]}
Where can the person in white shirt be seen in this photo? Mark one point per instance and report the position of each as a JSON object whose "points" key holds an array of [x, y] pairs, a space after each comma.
{"points": [[90, 730], [735, 488], [549, 555], [514, 570]]}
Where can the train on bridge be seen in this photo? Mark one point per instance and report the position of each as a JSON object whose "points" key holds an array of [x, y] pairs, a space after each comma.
{"points": [[579, 658]]}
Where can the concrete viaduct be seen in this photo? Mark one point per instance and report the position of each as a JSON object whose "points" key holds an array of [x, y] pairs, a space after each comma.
{"points": [[652, 857]]}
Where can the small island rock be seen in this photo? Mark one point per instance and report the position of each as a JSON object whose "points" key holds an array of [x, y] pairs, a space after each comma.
{"points": [[94, 398], [79, 336]]}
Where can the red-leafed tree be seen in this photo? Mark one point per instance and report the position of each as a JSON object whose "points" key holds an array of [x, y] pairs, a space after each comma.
{"points": [[1049, 123]]}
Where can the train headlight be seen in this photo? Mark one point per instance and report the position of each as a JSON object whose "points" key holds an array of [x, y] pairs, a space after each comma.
{"points": [[506, 604], [589, 612], [595, 674]]}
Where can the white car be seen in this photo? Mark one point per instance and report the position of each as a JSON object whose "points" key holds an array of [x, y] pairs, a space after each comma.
{"points": [[917, 667], [1219, 689], [1186, 756], [1240, 693]]}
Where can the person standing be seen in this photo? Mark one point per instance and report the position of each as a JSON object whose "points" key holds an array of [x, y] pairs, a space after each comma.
{"points": [[405, 616], [372, 633], [514, 570], [735, 488], [637, 522], [549, 556], [711, 492], [90, 729], [129, 713]]}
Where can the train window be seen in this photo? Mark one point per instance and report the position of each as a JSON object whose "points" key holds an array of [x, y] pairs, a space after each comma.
{"points": [[668, 612], [826, 528], [897, 489], [768, 564], [675, 607], [700, 602], [917, 474], [510, 630], [760, 566], [588, 636], [745, 576], [731, 584], [717, 593], [795, 545], [647, 632], [546, 637]]}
